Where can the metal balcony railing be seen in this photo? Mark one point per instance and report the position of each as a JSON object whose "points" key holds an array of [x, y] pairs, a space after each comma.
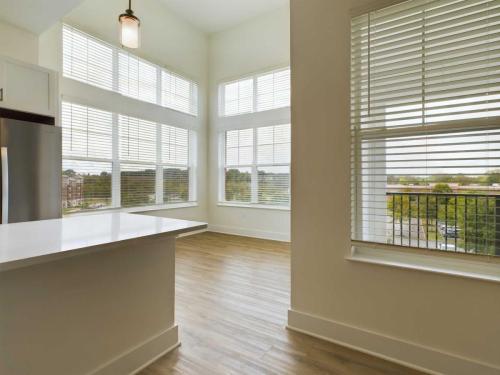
{"points": [[468, 223]]}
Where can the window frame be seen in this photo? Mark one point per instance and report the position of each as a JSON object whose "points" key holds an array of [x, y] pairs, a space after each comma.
{"points": [[254, 166], [388, 254], [116, 161]]}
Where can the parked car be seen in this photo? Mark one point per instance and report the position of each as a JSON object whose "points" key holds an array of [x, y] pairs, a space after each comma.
{"points": [[449, 246]]}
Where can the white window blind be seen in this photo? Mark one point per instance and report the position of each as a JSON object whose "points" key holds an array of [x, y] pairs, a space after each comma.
{"points": [[95, 62], [175, 159], [137, 185], [112, 160], [179, 93], [257, 165], [87, 132], [238, 97], [239, 147], [425, 107], [273, 164], [137, 78], [137, 139], [273, 90], [262, 92], [87, 59]]}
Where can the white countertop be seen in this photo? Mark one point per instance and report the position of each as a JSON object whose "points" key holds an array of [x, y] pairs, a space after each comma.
{"points": [[28, 243]]}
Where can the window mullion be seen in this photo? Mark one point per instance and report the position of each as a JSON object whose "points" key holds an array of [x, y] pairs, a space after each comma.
{"points": [[159, 167], [255, 173], [116, 170], [116, 71], [192, 165], [159, 87], [255, 93], [222, 166]]}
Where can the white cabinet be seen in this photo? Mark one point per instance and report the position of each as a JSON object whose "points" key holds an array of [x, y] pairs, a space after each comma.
{"points": [[28, 88]]}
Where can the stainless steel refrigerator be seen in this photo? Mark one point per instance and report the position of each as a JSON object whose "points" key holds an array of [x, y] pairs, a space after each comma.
{"points": [[30, 171]]}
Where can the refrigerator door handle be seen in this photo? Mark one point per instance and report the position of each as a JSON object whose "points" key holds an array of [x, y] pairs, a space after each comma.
{"points": [[4, 160]]}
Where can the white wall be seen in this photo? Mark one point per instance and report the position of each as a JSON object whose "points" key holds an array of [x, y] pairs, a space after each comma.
{"points": [[440, 322], [18, 43], [167, 41], [256, 45]]}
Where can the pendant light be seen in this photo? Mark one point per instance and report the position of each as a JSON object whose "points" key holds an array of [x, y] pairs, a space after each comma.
{"points": [[129, 28]]}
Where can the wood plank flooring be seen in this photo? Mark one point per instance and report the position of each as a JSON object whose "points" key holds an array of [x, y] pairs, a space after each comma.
{"points": [[232, 296]]}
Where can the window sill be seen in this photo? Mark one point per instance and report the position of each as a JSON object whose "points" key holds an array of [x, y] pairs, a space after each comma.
{"points": [[254, 206], [460, 265], [138, 209]]}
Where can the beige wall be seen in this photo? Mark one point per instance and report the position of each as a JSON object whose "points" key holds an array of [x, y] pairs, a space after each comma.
{"points": [[446, 313], [18, 43]]}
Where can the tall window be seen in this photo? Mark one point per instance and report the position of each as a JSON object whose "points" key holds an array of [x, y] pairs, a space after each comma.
{"points": [[90, 60], [257, 166], [425, 107], [255, 94], [112, 160]]}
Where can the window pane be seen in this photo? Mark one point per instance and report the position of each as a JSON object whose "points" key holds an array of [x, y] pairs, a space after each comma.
{"points": [[274, 185], [175, 145], [238, 184], [85, 185], [178, 93], [274, 145], [87, 132], [441, 69], [175, 185], [239, 147], [238, 97], [273, 90], [138, 183], [434, 191], [87, 59], [137, 139], [137, 78]]}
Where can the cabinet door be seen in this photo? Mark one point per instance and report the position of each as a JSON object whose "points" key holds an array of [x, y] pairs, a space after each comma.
{"points": [[26, 88]]}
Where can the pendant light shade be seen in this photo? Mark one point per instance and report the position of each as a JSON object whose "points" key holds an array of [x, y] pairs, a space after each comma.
{"points": [[129, 28]]}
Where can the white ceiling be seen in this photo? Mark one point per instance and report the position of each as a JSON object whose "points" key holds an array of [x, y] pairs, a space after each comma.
{"points": [[35, 15], [217, 15]]}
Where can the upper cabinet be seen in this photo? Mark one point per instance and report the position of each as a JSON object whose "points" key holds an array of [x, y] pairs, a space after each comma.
{"points": [[28, 88]]}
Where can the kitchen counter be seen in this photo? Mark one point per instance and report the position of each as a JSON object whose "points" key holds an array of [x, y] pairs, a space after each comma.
{"points": [[23, 244], [87, 295]]}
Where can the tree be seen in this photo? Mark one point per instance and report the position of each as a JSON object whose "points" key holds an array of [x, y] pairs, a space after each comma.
{"points": [[238, 185], [493, 177], [442, 189]]}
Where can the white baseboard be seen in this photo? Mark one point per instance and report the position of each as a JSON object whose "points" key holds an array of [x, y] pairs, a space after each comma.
{"points": [[408, 354], [245, 232], [137, 358], [187, 234]]}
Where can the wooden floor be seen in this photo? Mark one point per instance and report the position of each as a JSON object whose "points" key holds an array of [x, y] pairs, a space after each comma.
{"points": [[232, 296]]}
